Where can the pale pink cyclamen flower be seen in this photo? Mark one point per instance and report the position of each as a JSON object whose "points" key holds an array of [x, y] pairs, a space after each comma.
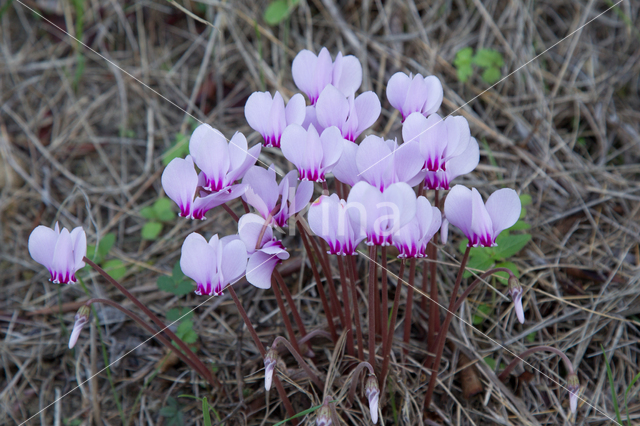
{"points": [[270, 361], [269, 117], [409, 94], [372, 392], [82, 317], [329, 219], [263, 257], [181, 182], [458, 165], [380, 163], [382, 213], [411, 240], [482, 223], [515, 291], [222, 163], [61, 252], [351, 115], [263, 192], [573, 385], [313, 73], [215, 264], [440, 140], [314, 155]]}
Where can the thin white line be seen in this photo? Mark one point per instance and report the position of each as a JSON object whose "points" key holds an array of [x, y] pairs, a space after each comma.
{"points": [[480, 332], [211, 297], [491, 87], [135, 78]]}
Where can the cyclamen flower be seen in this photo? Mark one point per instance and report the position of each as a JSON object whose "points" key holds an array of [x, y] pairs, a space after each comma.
{"points": [[314, 155], [372, 392], [263, 192], [573, 385], [214, 264], [269, 117], [351, 115], [329, 219], [221, 163], [313, 73], [270, 361], [515, 291], [440, 140], [61, 252], [412, 239], [82, 317], [380, 163], [459, 165], [382, 213], [263, 256], [482, 223], [409, 94], [180, 182]]}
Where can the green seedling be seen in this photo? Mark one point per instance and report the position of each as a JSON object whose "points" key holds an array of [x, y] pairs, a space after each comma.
{"points": [[172, 412], [161, 211], [279, 10], [487, 59], [206, 410], [177, 283], [114, 267]]}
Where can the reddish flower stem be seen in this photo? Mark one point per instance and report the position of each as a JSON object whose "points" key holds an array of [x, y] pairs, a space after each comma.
{"points": [[231, 212], [434, 312], [469, 289], [285, 316], [384, 301], [281, 392], [290, 302], [408, 308], [388, 339], [356, 311], [347, 308], [567, 362], [314, 378], [371, 308], [443, 333], [354, 379], [326, 267]]}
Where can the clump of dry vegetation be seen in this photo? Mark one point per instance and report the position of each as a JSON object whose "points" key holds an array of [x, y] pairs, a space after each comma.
{"points": [[83, 135]]}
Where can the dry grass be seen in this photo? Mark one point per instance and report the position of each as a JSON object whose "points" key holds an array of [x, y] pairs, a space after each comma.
{"points": [[87, 151]]}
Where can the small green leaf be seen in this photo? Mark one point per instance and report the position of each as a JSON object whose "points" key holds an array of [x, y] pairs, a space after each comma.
{"points": [[179, 288], [520, 226], [483, 313], [276, 12], [491, 75], [463, 57], [531, 337], [179, 149], [162, 204], [525, 199], [464, 72], [523, 213], [106, 242], [205, 410], [300, 414], [480, 260], [166, 215], [92, 255], [174, 314], [148, 213], [115, 268], [614, 396], [184, 327], [151, 230], [490, 362], [189, 337], [508, 245], [503, 277], [487, 58], [177, 272]]}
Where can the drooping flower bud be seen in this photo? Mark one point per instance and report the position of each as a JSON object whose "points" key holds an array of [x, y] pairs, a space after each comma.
{"points": [[82, 317], [515, 291], [372, 392], [270, 361], [324, 415], [573, 385]]}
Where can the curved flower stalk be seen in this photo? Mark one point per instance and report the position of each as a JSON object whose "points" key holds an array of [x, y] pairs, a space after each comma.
{"points": [[440, 140], [351, 115], [411, 240], [380, 163], [263, 193], [481, 223], [371, 389], [458, 165], [265, 254], [181, 182], [61, 252], [382, 213], [313, 73], [314, 155], [222, 163], [329, 219], [409, 94], [269, 117], [214, 264]]}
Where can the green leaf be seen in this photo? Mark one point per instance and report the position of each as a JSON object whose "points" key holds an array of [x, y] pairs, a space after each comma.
{"points": [[523, 213], [115, 268], [614, 397], [463, 57], [148, 213], [525, 199], [162, 204], [189, 337], [480, 260], [178, 150], [166, 215], [176, 313], [503, 277], [184, 327], [483, 313], [92, 255], [300, 414], [179, 288], [177, 272], [491, 75], [508, 245], [487, 58], [490, 362], [464, 72], [205, 412], [520, 226], [276, 12], [106, 242], [151, 230], [626, 392], [531, 337]]}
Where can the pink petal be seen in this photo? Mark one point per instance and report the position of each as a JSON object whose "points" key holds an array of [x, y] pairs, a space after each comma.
{"points": [[234, 261], [424, 214], [458, 135], [465, 162], [79, 244], [374, 161], [362, 201], [504, 208], [294, 145], [346, 170], [179, 181], [402, 200], [457, 209], [303, 196], [444, 231], [259, 269], [433, 142], [249, 160], [202, 205], [311, 119], [295, 110], [332, 144], [263, 189], [350, 76], [256, 111], [332, 108], [249, 227], [277, 120], [302, 70], [414, 127], [62, 262], [237, 151], [368, 109], [481, 225], [407, 161], [210, 152], [434, 95], [416, 96], [42, 243], [198, 259], [323, 73], [397, 88], [322, 216]]}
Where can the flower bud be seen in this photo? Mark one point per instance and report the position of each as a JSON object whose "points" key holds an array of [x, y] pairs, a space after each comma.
{"points": [[324, 415], [372, 392], [270, 361], [82, 317], [573, 385], [515, 291]]}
